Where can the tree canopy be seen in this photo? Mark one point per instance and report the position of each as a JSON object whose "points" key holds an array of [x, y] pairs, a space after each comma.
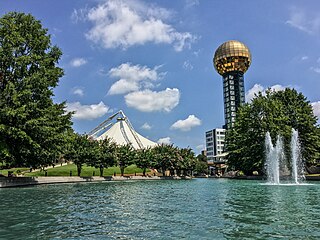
{"points": [[277, 112], [32, 126]]}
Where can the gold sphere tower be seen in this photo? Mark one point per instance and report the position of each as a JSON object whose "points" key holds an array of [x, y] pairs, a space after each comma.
{"points": [[231, 60]]}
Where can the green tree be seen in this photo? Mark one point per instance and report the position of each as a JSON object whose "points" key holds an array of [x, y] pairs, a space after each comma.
{"points": [[32, 126], [201, 164], [82, 150], [202, 158], [187, 160], [276, 112], [106, 156], [166, 157], [201, 167], [125, 156], [144, 159]]}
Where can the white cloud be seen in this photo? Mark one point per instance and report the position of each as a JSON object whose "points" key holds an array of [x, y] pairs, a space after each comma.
{"points": [[316, 109], [304, 20], [186, 124], [191, 3], [278, 87], [315, 69], [77, 62], [133, 78], [250, 94], [123, 86], [196, 53], [79, 15], [127, 23], [78, 91], [87, 112], [304, 58], [187, 65], [146, 126], [200, 147], [166, 140], [150, 101]]}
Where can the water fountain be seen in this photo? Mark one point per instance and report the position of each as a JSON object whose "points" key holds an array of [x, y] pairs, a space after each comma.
{"points": [[297, 165], [275, 157]]}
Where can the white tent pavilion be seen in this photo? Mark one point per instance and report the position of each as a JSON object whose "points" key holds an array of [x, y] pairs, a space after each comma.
{"points": [[121, 132]]}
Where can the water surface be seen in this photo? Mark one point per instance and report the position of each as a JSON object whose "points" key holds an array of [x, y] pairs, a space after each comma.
{"points": [[194, 209]]}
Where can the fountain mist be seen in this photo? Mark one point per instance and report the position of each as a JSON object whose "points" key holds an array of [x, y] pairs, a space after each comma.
{"points": [[297, 169], [275, 157]]}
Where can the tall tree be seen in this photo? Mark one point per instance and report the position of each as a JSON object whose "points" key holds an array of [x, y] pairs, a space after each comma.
{"points": [[144, 159], [105, 156], [187, 161], [166, 157], [276, 112], [125, 156], [82, 150], [32, 126]]}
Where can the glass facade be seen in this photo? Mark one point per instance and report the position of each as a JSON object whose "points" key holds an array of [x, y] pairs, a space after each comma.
{"points": [[232, 56], [233, 94], [231, 60]]}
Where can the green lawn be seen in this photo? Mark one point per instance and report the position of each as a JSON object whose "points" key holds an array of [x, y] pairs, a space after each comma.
{"points": [[86, 171], [14, 170]]}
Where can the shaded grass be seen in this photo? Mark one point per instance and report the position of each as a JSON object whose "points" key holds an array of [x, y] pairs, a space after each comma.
{"points": [[15, 171], [86, 171]]}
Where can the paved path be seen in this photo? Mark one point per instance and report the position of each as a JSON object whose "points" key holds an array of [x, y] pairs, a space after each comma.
{"points": [[28, 181]]}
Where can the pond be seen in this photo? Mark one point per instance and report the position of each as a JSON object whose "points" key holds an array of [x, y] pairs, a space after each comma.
{"points": [[164, 209]]}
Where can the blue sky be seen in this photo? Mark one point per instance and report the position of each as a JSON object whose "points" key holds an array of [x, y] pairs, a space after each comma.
{"points": [[153, 59]]}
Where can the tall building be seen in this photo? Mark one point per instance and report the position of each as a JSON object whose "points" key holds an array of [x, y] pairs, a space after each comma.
{"points": [[215, 144], [231, 60]]}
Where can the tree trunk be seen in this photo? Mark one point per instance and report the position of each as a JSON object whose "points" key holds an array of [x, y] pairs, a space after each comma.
{"points": [[101, 171], [163, 172], [122, 170], [144, 172], [79, 166]]}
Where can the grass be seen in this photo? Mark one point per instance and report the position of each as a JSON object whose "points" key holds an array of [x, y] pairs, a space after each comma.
{"points": [[86, 171], [14, 170]]}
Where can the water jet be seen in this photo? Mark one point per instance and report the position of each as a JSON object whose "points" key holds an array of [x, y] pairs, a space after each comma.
{"points": [[275, 159]]}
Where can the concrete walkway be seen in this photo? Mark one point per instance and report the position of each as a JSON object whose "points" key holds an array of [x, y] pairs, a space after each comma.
{"points": [[29, 181]]}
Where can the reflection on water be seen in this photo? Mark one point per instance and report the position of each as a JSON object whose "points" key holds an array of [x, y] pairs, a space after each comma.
{"points": [[196, 209], [273, 211]]}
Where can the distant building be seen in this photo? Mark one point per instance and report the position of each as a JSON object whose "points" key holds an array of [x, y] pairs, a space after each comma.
{"points": [[215, 144], [231, 60], [204, 153], [119, 129]]}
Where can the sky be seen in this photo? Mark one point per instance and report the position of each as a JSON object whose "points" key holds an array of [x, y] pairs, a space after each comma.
{"points": [[153, 59]]}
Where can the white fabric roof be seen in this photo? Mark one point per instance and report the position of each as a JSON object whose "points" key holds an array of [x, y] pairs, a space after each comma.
{"points": [[121, 134]]}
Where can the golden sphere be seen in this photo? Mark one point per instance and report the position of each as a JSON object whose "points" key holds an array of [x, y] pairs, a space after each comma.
{"points": [[232, 56]]}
